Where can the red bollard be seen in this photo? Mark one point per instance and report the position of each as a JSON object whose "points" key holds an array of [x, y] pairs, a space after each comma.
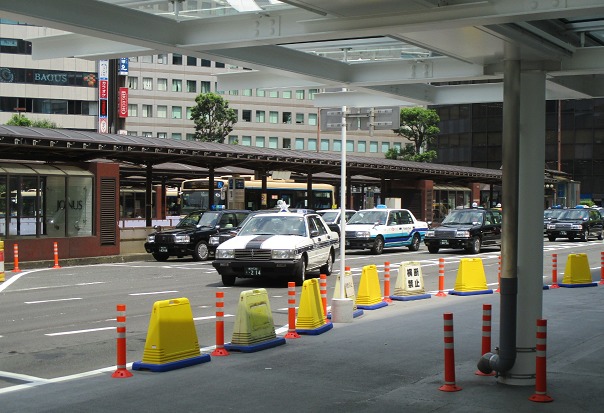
{"points": [[449, 385], [16, 258], [554, 271], [220, 350], [441, 278], [56, 253], [291, 311], [121, 372], [540, 394], [498, 290], [387, 298], [486, 335], [601, 268], [323, 291]]}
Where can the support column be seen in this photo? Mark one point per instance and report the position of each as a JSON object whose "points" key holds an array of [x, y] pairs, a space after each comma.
{"points": [[148, 193], [211, 188]]}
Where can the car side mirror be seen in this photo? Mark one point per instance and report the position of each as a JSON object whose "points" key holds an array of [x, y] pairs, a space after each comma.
{"points": [[157, 228], [314, 233]]}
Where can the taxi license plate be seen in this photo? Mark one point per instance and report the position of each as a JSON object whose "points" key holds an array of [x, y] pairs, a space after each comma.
{"points": [[562, 232], [163, 249], [252, 271], [443, 242], [347, 243]]}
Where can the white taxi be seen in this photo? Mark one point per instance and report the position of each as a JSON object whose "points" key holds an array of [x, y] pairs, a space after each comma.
{"points": [[281, 245]]}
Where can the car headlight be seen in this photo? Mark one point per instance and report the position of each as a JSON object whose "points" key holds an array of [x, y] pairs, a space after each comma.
{"points": [[576, 227], [429, 233], [214, 240], [283, 254], [362, 234], [462, 234], [225, 254], [151, 238], [551, 226], [182, 239]]}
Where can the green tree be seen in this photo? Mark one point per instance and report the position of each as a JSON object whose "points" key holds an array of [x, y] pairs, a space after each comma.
{"points": [[19, 120], [418, 125], [213, 117]]}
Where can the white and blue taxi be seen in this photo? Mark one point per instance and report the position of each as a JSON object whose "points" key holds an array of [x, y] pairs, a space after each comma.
{"points": [[381, 227], [283, 245]]}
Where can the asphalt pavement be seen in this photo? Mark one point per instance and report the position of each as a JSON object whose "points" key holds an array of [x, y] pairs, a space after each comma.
{"points": [[389, 358]]}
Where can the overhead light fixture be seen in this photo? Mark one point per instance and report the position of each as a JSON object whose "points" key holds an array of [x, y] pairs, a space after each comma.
{"points": [[244, 5]]}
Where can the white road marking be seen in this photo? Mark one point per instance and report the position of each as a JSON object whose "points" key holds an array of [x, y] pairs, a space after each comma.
{"points": [[52, 301], [210, 317], [90, 330], [154, 292]]}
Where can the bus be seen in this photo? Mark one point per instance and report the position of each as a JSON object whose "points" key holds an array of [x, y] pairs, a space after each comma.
{"points": [[245, 192], [133, 201]]}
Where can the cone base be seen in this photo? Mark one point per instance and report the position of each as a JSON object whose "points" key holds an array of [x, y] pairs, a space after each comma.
{"points": [[219, 352], [449, 388], [121, 374], [541, 398]]}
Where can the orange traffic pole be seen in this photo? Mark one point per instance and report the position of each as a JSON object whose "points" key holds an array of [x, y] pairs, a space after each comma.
{"points": [[554, 271], [220, 350], [121, 372], [486, 335], [16, 258], [2, 273], [56, 253], [323, 290], [601, 268], [441, 278], [498, 290], [291, 311], [449, 385], [387, 298], [540, 394]]}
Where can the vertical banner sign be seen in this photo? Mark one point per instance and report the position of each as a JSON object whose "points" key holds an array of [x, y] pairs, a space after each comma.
{"points": [[103, 95], [122, 70], [123, 102]]}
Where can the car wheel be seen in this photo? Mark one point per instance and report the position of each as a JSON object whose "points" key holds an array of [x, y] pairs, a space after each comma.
{"points": [[378, 246], [433, 249], [552, 238], [228, 280], [300, 272], [414, 243], [600, 236], [474, 246], [201, 252], [585, 235], [327, 268], [161, 256]]}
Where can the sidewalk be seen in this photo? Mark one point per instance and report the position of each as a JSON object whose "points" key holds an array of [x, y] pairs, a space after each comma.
{"points": [[70, 262], [390, 359]]}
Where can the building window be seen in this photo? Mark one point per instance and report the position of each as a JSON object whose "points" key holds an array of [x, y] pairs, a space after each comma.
{"points": [[324, 144], [349, 146], [299, 144], [132, 110], [312, 119], [205, 87], [260, 116], [312, 93], [233, 92], [148, 134], [287, 143], [191, 61], [147, 83], [177, 136], [132, 82], [147, 111], [397, 146], [273, 93], [206, 63], [246, 115], [361, 146], [190, 136], [233, 139], [299, 94], [176, 112], [147, 59], [312, 144], [300, 118], [162, 111], [286, 117], [162, 84], [246, 140], [176, 85], [162, 135], [219, 64], [373, 147], [260, 93], [385, 147], [177, 59], [337, 145], [273, 117], [260, 141], [191, 86], [189, 112], [247, 92], [162, 59], [286, 94], [273, 142]]}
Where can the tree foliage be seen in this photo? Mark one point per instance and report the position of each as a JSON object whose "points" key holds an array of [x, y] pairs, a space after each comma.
{"points": [[418, 125], [213, 118], [19, 120]]}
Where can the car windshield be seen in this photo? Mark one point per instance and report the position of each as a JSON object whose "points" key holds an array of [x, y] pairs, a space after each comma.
{"points": [[574, 214], [190, 220], [329, 216], [369, 217], [274, 225], [201, 219], [463, 217], [552, 213]]}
